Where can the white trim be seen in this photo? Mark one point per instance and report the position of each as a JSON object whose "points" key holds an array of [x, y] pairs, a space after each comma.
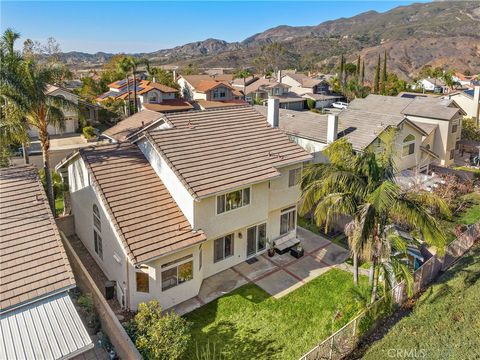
{"points": [[228, 192]]}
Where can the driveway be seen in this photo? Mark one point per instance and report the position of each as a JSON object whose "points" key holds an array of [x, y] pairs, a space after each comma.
{"points": [[277, 275]]}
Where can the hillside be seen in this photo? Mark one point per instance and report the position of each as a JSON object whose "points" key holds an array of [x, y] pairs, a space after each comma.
{"points": [[438, 33]]}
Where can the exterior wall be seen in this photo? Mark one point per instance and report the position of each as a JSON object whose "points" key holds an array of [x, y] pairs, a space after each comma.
{"points": [[71, 125], [465, 103], [186, 90], [83, 197], [412, 160], [313, 147], [228, 94], [179, 193], [296, 87], [297, 105]]}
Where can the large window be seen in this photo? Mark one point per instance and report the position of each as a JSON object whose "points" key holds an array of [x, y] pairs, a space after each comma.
{"points": [[223, 248], [287, 221], [98, 244], [96, 218], [233, 200], [294, 177], [219, 93], [142, 279], [454, 128], [177, 272], [408, 145]]}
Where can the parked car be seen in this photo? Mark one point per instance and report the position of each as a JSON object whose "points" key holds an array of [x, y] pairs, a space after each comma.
{"points": [[340, 105]]}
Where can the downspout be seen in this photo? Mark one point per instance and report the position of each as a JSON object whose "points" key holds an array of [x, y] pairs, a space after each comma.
{"points": [[127, 286]]}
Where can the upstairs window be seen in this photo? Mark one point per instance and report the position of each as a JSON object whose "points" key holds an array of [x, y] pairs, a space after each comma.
{"points": [[96, 218], [454, 128], [153, 98], [233, 200], [294, 177], [408, 145], [98, 244], [219, 93]]}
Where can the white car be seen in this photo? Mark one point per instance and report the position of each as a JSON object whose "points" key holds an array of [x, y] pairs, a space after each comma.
{"points": [[340, 105]]}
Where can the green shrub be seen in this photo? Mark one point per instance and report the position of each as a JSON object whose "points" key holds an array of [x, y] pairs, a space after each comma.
{"points": [[87, 308], [89, 132], [159, 336], [311, 104]]}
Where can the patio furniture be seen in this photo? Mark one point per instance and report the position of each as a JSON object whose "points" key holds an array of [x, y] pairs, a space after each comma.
{"points": [[285, 243], [297, 252]]}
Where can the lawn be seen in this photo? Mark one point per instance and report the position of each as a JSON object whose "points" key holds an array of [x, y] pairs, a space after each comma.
{"points": [[445, 323], [249, 324], [470, 215]]}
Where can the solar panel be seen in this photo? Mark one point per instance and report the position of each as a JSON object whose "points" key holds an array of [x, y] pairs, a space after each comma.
{"points": [[469, 92]]}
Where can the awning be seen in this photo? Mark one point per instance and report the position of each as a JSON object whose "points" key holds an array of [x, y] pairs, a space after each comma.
{"points": [[46, 329]]}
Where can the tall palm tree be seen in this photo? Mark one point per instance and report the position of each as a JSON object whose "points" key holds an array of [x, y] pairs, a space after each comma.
{"points": [[363, 187], [132, 64], [243, 74], [124, 67]]}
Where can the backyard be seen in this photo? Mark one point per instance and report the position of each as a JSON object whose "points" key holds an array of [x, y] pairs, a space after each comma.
{"points": [[250, 324], [445, 323], [469, 215]]}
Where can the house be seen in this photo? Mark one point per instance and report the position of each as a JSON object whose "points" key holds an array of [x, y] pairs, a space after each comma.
{"points": [[88, 111], [469, 101], [189, 195], [208, 88], [301, 84], [262, 88], [465, 80], [363, 129], [150, 95], [322, 100], [434, 85], [38, 319]]}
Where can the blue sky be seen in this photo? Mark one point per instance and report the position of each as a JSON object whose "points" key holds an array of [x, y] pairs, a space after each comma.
{"points": [[121, 26]]}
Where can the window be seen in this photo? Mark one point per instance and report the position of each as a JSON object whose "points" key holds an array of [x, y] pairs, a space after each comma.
{"points": [[223, 248], [454, 128], [287, 221], [180, 272], [98, 244], [219, 93], [153, 98], [142, 279], [452, 154], [256, 239], [96, 218], [408, 145], [233, 200], [294, 177], [200, 258]]}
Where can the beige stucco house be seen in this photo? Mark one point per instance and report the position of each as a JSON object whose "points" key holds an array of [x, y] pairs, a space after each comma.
{"points": [[188, 196], [468, 101]]}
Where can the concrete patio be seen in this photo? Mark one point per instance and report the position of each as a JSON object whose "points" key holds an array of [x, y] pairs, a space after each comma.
{"points": [[277, 275]]}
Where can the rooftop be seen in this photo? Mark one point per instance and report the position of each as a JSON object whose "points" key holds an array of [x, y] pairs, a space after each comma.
{"points": [[32, 257], [304, 80], [147, 219], [132, 124], [169, 105], [220, 149]]}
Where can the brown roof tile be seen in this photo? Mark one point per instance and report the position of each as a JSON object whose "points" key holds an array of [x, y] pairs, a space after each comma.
{"points": [[148, 220], [216, 150], [132, 124], [32, 257], [169, 105]]}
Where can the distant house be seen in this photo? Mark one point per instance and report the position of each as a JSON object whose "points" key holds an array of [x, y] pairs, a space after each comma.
{"points": [[468, 101], [88, 111], [323, 101], [301, 84], [150, 95], [434, 85], [465, 80], [38, 319]]}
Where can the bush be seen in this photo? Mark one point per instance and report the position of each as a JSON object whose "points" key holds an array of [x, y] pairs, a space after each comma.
{"points": [[470, 130], [87, 308], [159, 336], [311, 104], [89, 132]]}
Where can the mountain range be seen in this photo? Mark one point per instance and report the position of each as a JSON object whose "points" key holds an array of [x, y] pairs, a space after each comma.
{"points": [[440, 33]]}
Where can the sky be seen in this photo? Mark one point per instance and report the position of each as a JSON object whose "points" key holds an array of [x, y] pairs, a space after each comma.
{"points": [[138, 26]]}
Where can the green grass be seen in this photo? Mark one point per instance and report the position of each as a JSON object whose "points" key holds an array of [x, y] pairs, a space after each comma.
{"points": [[445, 323], [59, 205], [249, 324], [470, 215], [469, 169]]}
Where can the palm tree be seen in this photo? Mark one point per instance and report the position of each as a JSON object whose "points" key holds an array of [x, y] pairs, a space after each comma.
{"points": [[124, 67], [243, 74], [132, 64], [363, 187]]}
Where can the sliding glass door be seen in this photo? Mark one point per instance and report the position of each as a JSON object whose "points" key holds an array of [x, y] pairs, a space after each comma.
{"points": [[256, 239]]}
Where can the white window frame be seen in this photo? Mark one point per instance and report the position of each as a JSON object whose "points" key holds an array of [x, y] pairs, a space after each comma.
{"points": [[175, 264], [289, 211], [297, 175], [225, 201], [454, 126], [257, 230], [97, 221], [408, 143], [98, 244], [223, 248]]}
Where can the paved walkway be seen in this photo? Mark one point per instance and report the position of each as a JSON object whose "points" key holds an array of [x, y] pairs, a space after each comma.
{"points": [[277, 275]]}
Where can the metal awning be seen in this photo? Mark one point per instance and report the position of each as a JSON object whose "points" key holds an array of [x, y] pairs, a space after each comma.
{"points": [[46, 329]]}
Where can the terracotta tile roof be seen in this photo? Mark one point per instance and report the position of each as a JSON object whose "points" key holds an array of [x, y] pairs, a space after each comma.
{"points": [[304, 80], [206, 85], [216, 150], [209, 104], [32, 258], [143, 86], [169, 105], [132, 124], [149, 85], [144, 214]]}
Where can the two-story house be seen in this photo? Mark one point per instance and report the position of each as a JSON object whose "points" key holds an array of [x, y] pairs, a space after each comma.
{"points": [[190, 195], [150, 95]]}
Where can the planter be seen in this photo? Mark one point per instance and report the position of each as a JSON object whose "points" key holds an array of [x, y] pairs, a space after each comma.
{"points": [[271, 252], [89, 140], [296, 253]]}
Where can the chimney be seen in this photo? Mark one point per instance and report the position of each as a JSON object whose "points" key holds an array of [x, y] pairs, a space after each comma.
{"points": [[154, 79], [174, 75], [476, 104], [332, 128], [279, 76], [273, 112]]}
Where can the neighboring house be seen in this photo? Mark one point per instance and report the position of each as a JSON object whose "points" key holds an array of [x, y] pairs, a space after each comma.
{"points": [[323, 101], [150, 95], [465, 80], [363, 129], [468, 101], [206, 87], [443, 115], [88, 111], [38, 319], [301, 84], [434, 85], [261, 89], [191, 194]]}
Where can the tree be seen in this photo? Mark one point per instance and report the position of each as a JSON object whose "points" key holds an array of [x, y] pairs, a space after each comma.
{"points": [[341, 74], [191, 69], [161, 76], [362, 78], [376, 79], [358, 69], [159, 336], [243, 74], [470, 131], [274, 57], [124, 66], [383, 82], [363, 187]]}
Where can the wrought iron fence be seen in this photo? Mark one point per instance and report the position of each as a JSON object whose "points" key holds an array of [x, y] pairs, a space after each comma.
{"points": [[344, 340]]}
